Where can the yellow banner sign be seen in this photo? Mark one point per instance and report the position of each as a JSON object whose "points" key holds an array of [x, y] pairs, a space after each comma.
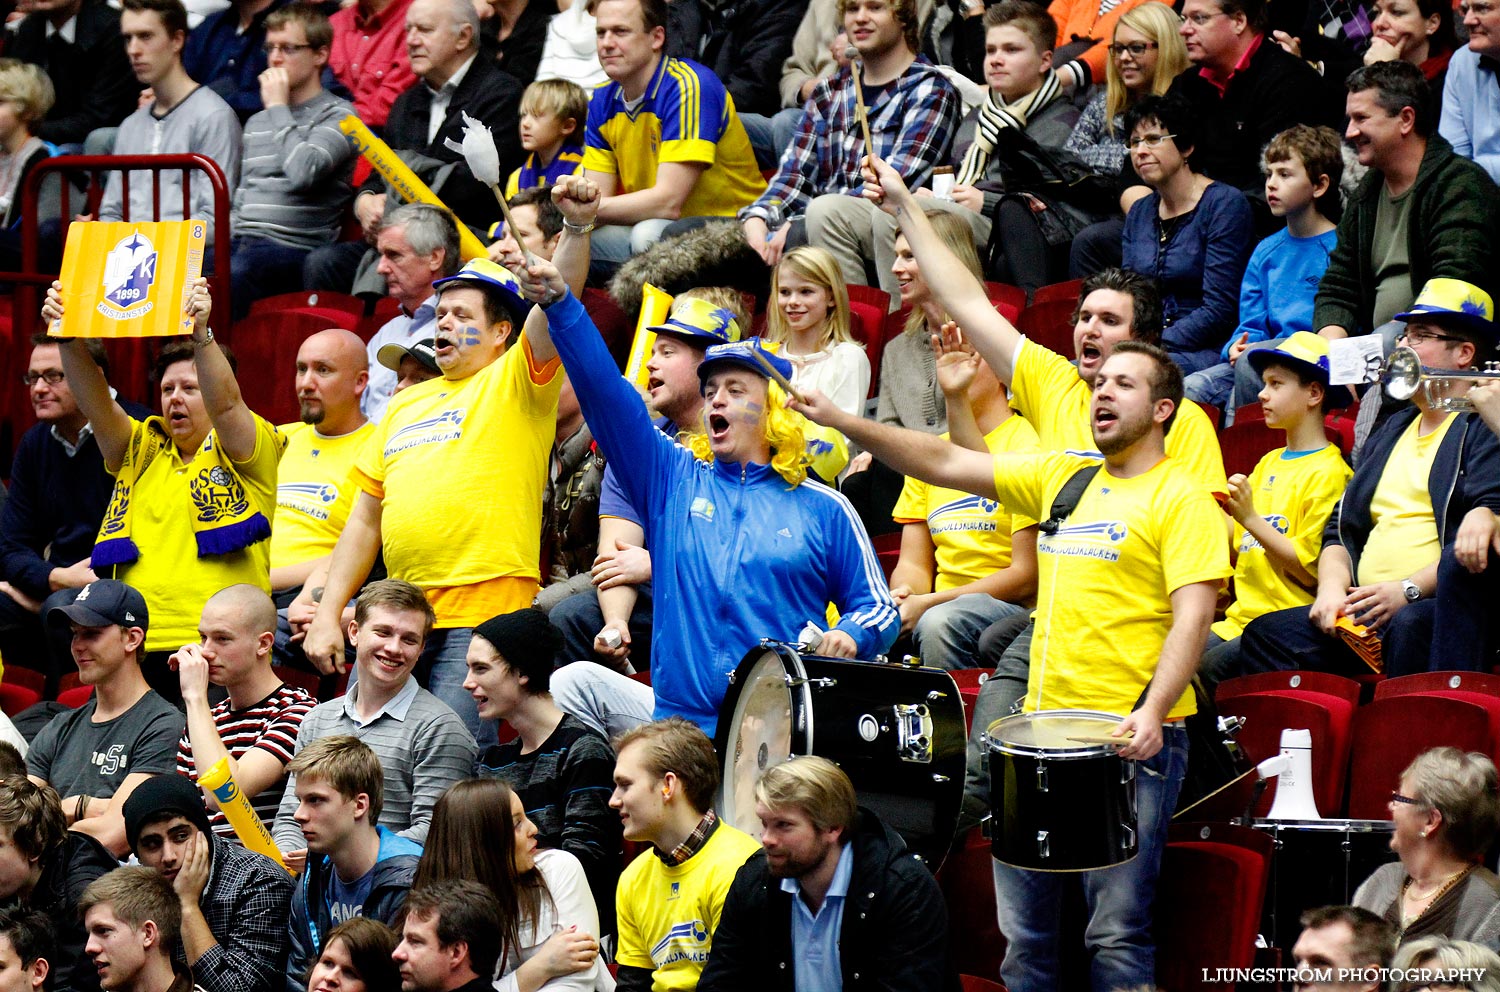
{"points": [[129, 280]]}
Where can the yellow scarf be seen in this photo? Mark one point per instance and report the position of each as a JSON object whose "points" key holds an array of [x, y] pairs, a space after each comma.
{"points": [[223, 519]]}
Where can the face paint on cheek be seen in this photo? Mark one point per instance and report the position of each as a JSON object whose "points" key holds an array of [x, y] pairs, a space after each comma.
{"points": [[749, 412], [468, 336]]}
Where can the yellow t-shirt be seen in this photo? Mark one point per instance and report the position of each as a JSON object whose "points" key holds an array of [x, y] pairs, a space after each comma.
{"points": [[313, 492], [169, 574], [1295, 494], [459, 468], [1045, 388], [1106, 577], [667, 915], [970, 534], [1404, 535]]}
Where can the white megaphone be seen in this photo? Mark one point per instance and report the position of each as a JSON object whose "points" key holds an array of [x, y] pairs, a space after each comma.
{"points": [[1294, 795]]}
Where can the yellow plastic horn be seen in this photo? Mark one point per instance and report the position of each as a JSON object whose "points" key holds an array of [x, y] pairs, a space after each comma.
{"points": [[405, 181], [235, 806]]}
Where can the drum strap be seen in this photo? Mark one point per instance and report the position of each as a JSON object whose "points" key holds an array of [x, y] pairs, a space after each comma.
{"points": [[1066, 500]]}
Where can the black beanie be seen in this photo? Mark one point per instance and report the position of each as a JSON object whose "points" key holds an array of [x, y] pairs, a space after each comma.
{"points": [[162, 796], [526, 640]]}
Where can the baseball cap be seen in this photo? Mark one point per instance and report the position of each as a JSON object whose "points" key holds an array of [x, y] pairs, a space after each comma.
{"points": [[1308, 353], [103, 603], [750, 353], [1454, 303], [485, 274], [390, 355], [699, 322]]}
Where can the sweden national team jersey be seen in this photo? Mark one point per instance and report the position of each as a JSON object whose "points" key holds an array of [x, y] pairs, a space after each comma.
{"points": [[686, 115]]}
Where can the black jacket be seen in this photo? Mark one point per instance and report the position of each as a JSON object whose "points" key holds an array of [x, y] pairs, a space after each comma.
{"points": [[92, 78], [1275, 91], [1465, 474], [487, 93], [894, 934], [744, 42], [66, 872]]}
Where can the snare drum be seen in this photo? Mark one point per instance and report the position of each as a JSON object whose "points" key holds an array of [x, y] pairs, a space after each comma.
{"points": [[1059, 805], [896, 730]]}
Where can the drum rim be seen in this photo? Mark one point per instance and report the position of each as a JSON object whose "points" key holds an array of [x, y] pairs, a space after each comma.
{"points": [[1074, 753]]}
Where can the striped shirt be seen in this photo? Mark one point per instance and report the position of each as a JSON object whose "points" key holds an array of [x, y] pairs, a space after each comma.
{"points": [[271, 725], [296, 174]]}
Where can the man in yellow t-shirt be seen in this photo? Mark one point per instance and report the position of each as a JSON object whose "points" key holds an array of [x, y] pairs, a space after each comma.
{"points": [[314, 490], [966, 562], [1280, 510], [1125, 595], [1408, 552], [670, 898], [195, 489]]}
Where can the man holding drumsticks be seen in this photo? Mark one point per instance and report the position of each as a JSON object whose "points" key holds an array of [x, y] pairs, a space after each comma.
{"points": [[1138, 561]]}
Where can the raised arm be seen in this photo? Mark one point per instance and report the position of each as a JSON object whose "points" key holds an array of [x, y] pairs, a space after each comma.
{"points": [[232, 419], [909, 452], [578, 198], [961, 294], [110, 423]]}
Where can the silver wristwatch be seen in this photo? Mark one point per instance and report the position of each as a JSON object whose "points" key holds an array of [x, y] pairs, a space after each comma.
{"points": [[1410, 590]]}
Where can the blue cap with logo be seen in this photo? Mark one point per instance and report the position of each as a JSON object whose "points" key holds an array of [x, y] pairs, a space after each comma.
{"points": [[750, 353], [481, 273], [699, 322], [103, 603]]}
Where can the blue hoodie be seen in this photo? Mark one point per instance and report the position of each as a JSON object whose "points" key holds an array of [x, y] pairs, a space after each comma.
{"points": [[737, 554]]}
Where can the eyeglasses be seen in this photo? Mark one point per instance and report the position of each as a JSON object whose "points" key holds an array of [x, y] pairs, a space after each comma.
{"points": [[1477, 9], [1149, 140], [1135, 49], [1421, 337], [271, 48], [1200, 20], [1397, 797], [52, 376]]}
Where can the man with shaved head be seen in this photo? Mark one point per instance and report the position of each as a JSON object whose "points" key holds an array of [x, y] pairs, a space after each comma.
{"points": [[256, 725], [313, 488]]}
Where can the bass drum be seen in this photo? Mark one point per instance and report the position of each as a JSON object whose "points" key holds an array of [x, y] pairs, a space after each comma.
{"points": [[896, 730]]}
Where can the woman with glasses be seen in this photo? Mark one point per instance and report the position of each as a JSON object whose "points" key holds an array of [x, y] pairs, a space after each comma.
{"points": [[1191, 234], [1145, 56], [1445, 811]]}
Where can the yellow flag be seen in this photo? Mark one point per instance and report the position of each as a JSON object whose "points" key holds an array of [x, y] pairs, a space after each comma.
{"points": [[129, 280], [655, 307]]}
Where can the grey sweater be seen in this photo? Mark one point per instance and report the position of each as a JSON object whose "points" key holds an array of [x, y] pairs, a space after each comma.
{"points": [[295, 177], [1478, 908], [201, 123], [422, 754]]}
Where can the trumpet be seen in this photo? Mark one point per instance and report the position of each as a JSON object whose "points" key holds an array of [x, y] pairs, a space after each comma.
{"points": [[1404, 376]]}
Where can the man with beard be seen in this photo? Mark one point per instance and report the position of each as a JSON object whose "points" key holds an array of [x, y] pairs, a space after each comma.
{"points": [[1140, 556], [833, 894]]}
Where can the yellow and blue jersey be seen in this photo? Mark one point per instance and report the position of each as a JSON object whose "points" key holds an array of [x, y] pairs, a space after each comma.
{"points": [[686, 115], [569, 159]]}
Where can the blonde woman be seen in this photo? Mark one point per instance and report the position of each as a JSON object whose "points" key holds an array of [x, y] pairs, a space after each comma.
{"points": [[1145, 56], [808, 321], [25, 97]]}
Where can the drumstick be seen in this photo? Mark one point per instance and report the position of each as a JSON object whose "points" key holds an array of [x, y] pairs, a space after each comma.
{"points": [[510, 222], [1121, 741], [852, 54], [773, 373]]}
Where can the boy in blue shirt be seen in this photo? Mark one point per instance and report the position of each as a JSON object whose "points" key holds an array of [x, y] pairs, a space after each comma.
{"points": [[1303, 166], [552, 116]]}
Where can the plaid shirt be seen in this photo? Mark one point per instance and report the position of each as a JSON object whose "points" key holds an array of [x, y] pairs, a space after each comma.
{"points": [[246, 904], [912, 123], [692, 843]]}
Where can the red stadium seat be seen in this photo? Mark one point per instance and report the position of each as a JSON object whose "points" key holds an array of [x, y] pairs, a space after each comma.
{"points": [[1068, 291], [338, 309], [1266, 715], [888, 550], [1049, 324], [76, 696], [265, 345], [973, 983], [15, 698], [1245, 442], [1390, 732], [1479, 688], [1208, 901], [386, 308], [968, 884], [969, 682], [1339, 426], [1009, 300], [867, 324], [27, 678], [1291, 683], [871, 295], [1249, 412]]}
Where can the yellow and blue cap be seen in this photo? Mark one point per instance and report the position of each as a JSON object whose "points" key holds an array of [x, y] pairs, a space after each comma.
{"points": [[482, 273], [699, 322], [1308, 352], [750, 353], [1454, 303]]}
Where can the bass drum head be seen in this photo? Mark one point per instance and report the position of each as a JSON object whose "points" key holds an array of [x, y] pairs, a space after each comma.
{"points": [[756, 735]]}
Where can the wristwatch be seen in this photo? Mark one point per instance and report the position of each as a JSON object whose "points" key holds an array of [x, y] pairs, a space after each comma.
{"points": [[1411, 590]]}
